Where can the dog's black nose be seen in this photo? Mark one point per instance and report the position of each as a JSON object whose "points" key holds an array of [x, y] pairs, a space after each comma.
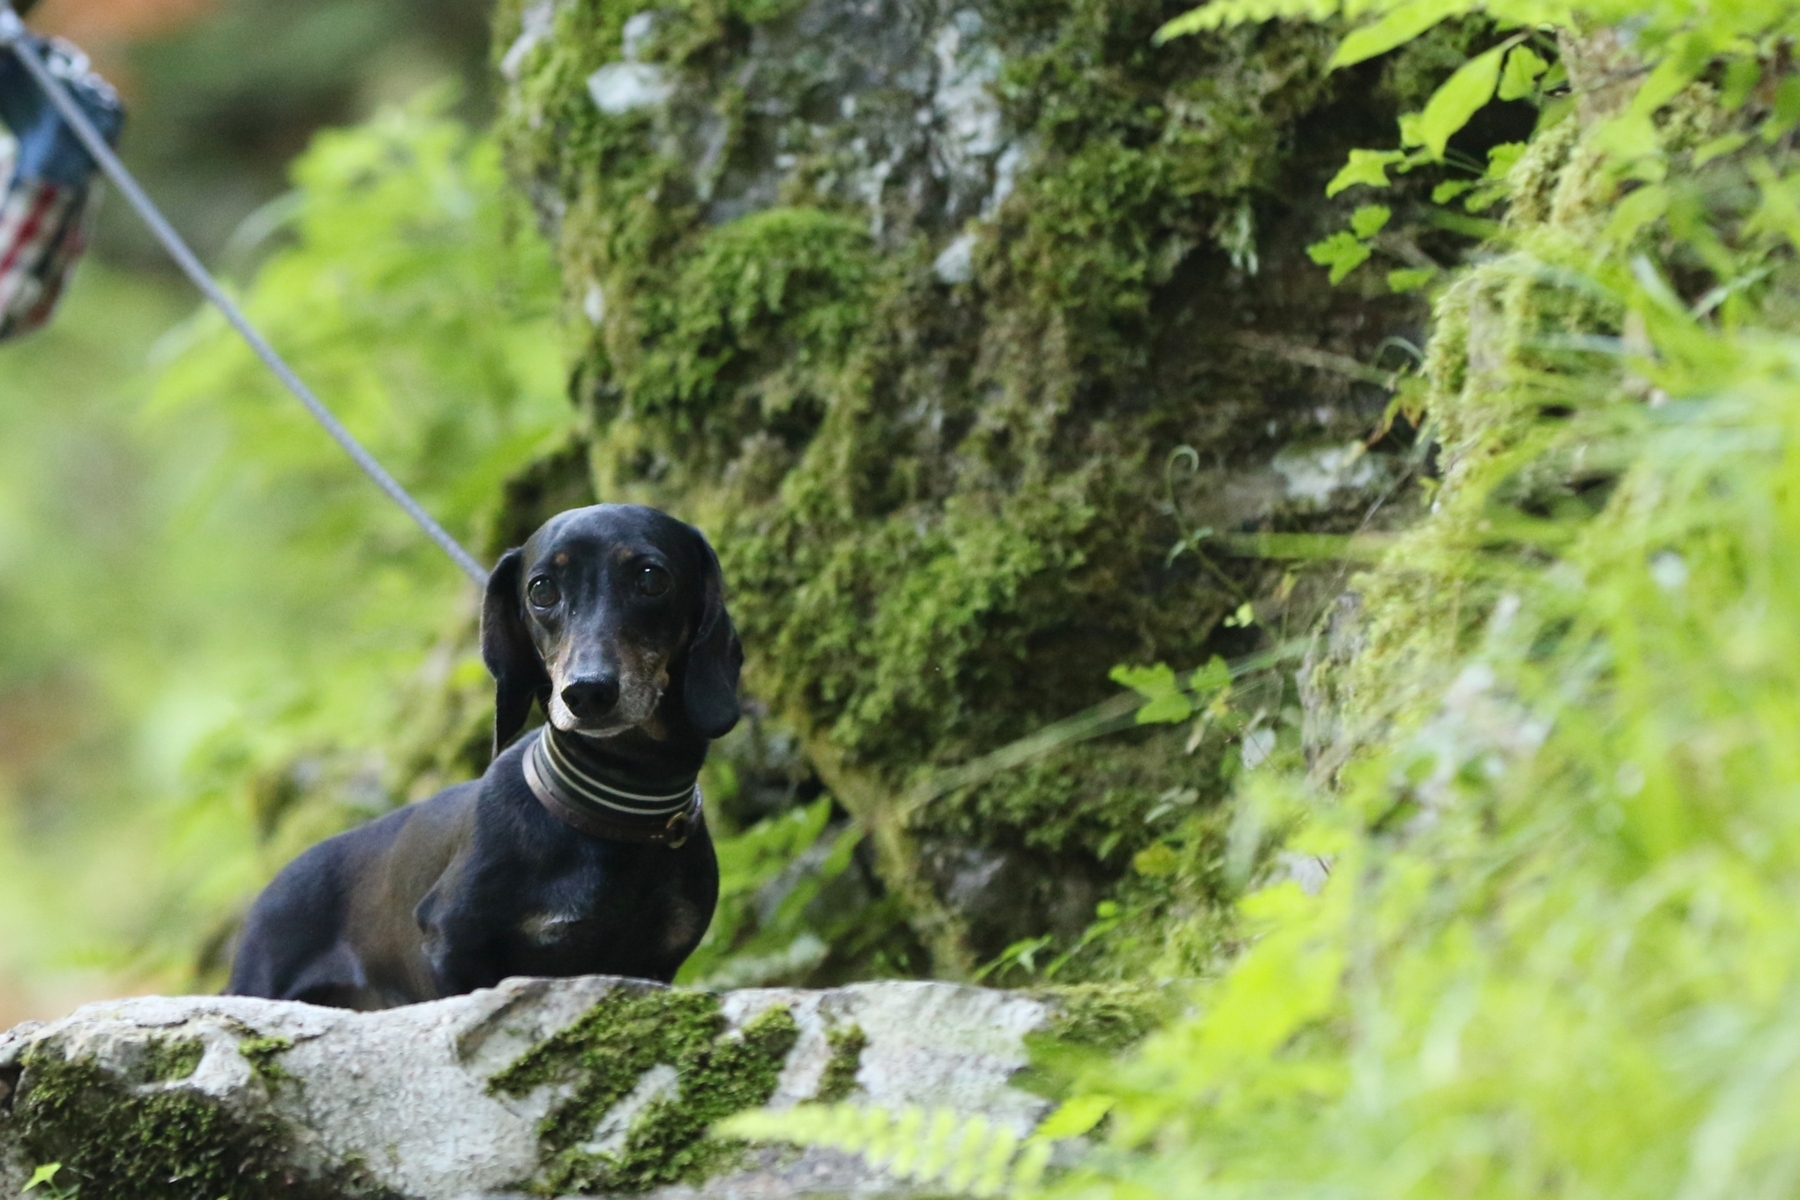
{"points": [[591, 698]]}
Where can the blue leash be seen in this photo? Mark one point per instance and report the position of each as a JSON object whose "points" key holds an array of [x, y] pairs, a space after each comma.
{"points": [[13, 36]]}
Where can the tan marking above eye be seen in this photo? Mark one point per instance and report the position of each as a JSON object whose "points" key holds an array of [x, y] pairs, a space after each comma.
{"points": [[561, 559]]}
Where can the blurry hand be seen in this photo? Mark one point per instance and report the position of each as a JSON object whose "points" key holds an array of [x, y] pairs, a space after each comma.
{"points": [[49, 151]]}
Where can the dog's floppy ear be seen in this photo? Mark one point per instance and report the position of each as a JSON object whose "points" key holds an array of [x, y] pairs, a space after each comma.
{"points": [[714, 657], [506, 648]]}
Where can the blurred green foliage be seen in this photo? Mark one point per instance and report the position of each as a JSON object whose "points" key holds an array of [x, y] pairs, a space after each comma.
{"points": [[1526, 924], [243, 647], [222, 103]]}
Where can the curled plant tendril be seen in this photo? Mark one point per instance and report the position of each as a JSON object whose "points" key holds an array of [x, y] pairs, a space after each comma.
{"points": [[1183, 465]]}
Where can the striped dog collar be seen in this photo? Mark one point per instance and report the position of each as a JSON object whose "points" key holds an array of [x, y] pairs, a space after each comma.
{"points": [[586, 796]]}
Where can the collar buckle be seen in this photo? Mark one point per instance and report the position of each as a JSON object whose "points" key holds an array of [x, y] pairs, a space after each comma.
{"points": [[680, 826]]}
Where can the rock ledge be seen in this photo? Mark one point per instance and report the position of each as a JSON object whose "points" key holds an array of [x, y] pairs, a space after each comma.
{"points": [[590, 1084]]}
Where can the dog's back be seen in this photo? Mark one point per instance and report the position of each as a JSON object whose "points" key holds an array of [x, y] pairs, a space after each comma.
{"points": [[335, 928]]}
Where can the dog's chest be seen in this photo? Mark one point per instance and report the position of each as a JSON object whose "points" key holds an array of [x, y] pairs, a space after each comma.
{"points": [[593, 936]]}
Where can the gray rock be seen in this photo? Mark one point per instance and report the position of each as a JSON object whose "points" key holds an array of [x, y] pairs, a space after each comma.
{"points": [[402, 1102]]}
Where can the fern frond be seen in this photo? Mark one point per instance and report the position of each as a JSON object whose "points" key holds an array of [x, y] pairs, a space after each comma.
{"points": [[1223, 13], [964, 1154]]}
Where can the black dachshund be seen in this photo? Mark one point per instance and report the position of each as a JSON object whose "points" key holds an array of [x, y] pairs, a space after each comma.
{"points": [[583, 849]]}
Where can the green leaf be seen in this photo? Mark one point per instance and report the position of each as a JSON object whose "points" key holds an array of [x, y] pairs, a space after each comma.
{"points": [[1460, 98], [1786, 111], [44, 1174], [1636, 211], [1503, 158], [1365, 167], [1403, 24], [1523, 67], [1164, 703], [1719, 146], [1779, 213], [1409, 279], [1450, 189], [1342, 252], [1369, 220], [1741, 77], [1215, 676], [1683, 59], [1156, 861], [1074, 1117]]}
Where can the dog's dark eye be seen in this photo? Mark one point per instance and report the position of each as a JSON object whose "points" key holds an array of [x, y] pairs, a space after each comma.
{"points": [[653, 581], [542, 592]]}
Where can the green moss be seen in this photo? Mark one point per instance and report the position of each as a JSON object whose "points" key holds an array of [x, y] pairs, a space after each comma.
{"points": [[602, 1058], [667, 1142], [262, 1053], [839, 1077], [941, 506], [173, 1058], [158, 1141], [1109, 1016], [1088, 1026]]}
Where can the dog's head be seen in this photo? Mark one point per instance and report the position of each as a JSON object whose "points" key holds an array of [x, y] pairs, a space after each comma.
{"points": [[613, 618]]}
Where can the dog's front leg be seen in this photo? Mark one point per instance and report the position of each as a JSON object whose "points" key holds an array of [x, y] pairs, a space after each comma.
{"points": [[457, 944]]}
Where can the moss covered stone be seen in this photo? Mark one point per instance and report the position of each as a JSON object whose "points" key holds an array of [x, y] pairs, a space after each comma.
{"points": [[1105, 1016], [908, 306], [170, 1059], [264, 1054], [838, 1079], [156, 1141], [669, 1060]]}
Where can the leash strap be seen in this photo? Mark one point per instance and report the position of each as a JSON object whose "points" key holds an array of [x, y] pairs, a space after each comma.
{"points": [[14, 36]]}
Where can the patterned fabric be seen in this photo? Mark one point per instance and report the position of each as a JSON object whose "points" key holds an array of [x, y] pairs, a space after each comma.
{"points": [[42, 233], [44, 209]]}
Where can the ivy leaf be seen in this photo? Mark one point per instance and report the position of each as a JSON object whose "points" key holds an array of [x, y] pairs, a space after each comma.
{"points": [[1523, 67], [1403, 24], [1164, 703], [1503, 158], [1449, 190], [1215, 676], [1342, 252], [1461, 97], [1369, 220], [1365, 167]]}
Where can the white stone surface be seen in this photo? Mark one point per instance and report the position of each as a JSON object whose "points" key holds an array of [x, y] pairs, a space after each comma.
{"points": [[624, 87], [405, 1091]]}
